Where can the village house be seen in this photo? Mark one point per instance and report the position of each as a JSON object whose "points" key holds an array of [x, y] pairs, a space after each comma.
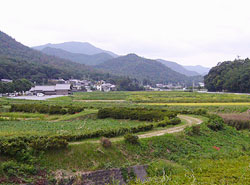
{"points": [[6, 81], [106, 87], [58, 89]]}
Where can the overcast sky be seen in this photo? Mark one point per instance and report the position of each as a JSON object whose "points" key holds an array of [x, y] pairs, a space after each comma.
{"points": [[190, 32]]}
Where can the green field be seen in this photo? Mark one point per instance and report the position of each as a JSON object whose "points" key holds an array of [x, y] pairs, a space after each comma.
{"points": [[161, 97], [186, 158], [22, 128]]}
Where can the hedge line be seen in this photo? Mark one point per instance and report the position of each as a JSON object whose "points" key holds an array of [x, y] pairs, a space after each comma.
{"points": [[107, 133], [11, 146], [201, 112], [140, 114], [41, 108]]}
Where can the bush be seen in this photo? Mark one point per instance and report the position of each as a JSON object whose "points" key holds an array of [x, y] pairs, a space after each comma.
{"points": [[132, 139], [17, 145], [48, 143], [175, 121], [194, 130], [14, 169], [41, 108], [55, 109], [140, 114], [106, 143], [164, 122], [215, 122]]}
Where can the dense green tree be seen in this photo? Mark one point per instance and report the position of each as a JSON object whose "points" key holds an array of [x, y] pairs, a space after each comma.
{"points": [[15, 86], [230, 76]]}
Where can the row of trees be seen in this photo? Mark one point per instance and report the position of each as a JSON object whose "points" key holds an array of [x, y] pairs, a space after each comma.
{"points": [[230, 76], [15, 86]]}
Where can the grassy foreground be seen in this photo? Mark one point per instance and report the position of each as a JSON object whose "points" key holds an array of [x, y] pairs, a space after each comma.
{"points": [[174, 150], [206, 171]]}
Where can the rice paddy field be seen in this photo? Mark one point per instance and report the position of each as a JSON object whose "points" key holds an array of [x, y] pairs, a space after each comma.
{"points": [[161, 97], [50, 128], [199, 158]]}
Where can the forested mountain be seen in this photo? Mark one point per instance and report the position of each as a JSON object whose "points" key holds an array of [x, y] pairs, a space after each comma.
{"points": [[77, 47], [78, 57], [178, 68], [18, 61], [198, 68], [231, 76], [144, 69]]}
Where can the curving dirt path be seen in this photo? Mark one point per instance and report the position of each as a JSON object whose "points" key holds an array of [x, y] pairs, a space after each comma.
{"points": [[189, 119]]}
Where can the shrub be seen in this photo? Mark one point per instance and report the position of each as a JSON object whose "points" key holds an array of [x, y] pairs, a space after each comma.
{"points": [[140, 114], [14, 169], [215, 122], [41, 108], [106, 143], [164, 122], [55, 109], [193, 130], [175, 121], [17, 145], [48, 143], [132, 139]]}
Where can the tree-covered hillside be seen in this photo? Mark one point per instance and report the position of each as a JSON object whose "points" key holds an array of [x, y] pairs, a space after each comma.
{"points": [[144, 70], [19, 61], [230, 76]]}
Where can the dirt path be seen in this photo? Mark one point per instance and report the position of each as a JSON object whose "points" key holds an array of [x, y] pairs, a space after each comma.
{"points": [[189, 119]]}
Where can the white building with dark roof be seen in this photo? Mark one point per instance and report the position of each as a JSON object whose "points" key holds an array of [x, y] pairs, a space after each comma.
{"points": [[58, 89], [6, 80]]}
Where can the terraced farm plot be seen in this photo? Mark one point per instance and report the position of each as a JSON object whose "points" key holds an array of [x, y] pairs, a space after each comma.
{"points": [[22, 128], [201, 104], [159, 97]]}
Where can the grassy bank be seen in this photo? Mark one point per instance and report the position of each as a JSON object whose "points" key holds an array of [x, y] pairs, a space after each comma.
{"points": [[178, 148]]}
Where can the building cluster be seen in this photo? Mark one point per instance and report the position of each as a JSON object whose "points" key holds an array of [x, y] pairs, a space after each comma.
{"points": [[66, 87], [6, 81], [170, 87], [163, 87]]}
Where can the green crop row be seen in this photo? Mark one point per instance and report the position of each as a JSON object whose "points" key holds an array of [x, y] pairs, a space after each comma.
{"points": [[42, 108], [140, 114]]}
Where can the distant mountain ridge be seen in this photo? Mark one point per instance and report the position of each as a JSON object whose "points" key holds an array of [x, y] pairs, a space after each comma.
{"points": [[199, 69], [86, 48], [77, 57], [19, 61], [77, 47], [144, 69], [178, 68]]}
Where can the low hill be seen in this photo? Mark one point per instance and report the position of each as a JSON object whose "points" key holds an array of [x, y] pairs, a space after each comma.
{"points": [[76, 47], [144, 69], [198, 68], [178, 68], [231, 76], [77, 57], [19, 61]]}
